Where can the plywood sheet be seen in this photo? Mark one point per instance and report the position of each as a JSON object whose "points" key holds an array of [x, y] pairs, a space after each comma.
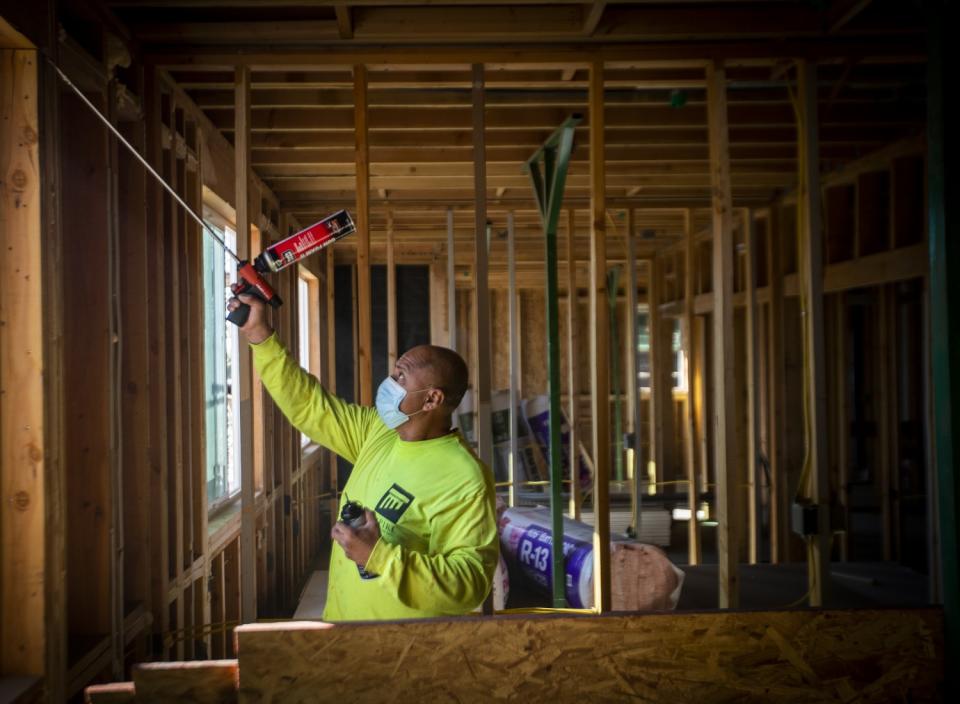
{"points": [[198, 682], [789, 656]]}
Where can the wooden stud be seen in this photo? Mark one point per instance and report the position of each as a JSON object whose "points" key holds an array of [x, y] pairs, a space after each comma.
{"points": [[480, 257], [753, 387], [331, 379], [248, 543], [811, 284], [776, 354], [635, 468], [391, 297], [842, 421], [22, 439], [364, 333], [599, 346], [690, 424], [514, 365], [451, 283], [573, 367], [657, 395], [115, 331], [884, 398], [724, 406]]}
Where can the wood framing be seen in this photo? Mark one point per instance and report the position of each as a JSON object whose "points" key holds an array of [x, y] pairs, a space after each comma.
{"points": [[248, 575], [690, 422], [599, 345], [482, 378], [810, 255], [362, 218], [391, 298], [751, 344], [573, 366], [24, 633], [724, 406]]}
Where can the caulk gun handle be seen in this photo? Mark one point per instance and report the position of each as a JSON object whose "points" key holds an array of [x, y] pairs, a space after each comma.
{"points": [[250, 282]]}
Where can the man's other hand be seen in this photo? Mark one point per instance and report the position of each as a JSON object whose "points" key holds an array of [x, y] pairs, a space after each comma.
{"points": [[256, 329], [358, 543]]}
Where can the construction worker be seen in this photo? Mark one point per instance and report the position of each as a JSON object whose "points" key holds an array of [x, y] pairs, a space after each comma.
{"points": [[428, 544]]}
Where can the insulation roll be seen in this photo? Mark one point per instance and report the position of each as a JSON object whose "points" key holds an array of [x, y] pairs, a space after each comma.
{"points": [[537, 412], [531, 466], [642, 577]]}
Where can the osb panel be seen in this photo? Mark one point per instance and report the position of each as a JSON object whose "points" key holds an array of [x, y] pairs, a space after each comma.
{"points": [[198, 682], [787, 656], [500, 340], [533, 343]]}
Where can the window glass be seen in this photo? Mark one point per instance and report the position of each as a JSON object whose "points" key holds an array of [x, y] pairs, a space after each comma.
{"points": [[221, 371]]}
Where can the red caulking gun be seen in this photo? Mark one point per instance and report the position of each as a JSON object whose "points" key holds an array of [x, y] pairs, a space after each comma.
{"points": [[274, 258], [282, 254]]}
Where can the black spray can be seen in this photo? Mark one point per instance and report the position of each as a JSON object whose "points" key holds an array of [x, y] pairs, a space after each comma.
{"points": [[353, 515]]}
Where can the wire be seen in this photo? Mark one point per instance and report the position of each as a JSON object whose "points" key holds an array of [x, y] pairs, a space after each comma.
{"points": [[130, 147]]}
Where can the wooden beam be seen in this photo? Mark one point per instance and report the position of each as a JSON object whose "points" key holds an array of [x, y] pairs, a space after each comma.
{"points": [[391, 298], [364, 322], [480, 265], [690, 422], [599, 346], [751, 344], [573, 366], [23, 536], [451, 283], [248, 518], [344, 21], [810, 268], [724, 406]]}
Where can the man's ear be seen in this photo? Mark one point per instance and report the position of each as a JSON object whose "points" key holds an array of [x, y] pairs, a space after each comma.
{"points": [[435, 399]]}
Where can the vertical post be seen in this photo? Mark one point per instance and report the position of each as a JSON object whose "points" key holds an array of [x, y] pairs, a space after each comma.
{"points": [[364, 323], [810, 264], [884, 398], [776, 353], [391, 297], [633, 394], [451, 283], [655, 349], [944, 347], [599, 344], [514, 358], [724, 407], [480, 259], [331, 384], [840, 396], [573, 369], [753, 387], [23, 469], [690, 424], [248, 517]]}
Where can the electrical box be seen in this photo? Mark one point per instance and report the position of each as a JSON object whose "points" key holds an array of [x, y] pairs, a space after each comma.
{"points": [[805, 518]]}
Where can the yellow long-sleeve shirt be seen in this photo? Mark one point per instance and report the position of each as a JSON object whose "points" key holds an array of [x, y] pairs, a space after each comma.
{"points": [[434, 501]]}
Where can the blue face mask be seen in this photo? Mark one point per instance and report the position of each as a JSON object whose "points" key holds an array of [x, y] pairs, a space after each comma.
{"points": [[389, 397]]}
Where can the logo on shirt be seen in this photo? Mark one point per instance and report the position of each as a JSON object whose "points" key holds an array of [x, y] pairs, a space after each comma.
{"points": [[394, 503]]}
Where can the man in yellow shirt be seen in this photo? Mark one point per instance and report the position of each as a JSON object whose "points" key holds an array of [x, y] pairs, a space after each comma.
{"points": [[428, 546]]}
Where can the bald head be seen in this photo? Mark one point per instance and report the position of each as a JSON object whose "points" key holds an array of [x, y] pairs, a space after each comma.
{"points": [[442, 368]]}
